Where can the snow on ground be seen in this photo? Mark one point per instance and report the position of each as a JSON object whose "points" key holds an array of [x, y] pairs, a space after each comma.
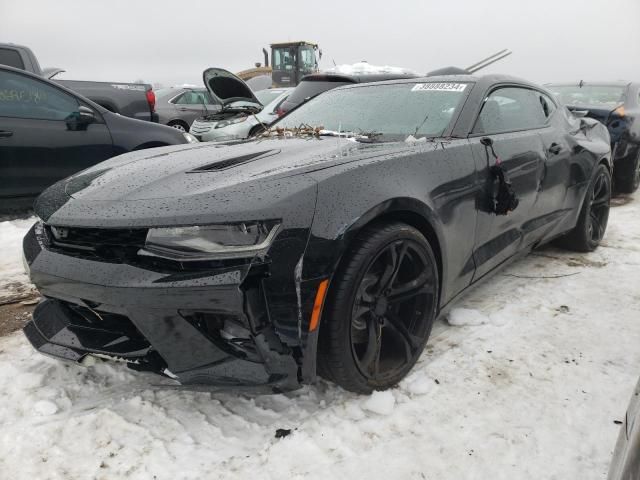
{"points": [[360, 68], [526, 387], [13, 279]]}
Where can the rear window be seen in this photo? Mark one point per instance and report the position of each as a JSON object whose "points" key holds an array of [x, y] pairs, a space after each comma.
{"points": [[265, 97], [11, 58], [309, 89], [592, 95]]}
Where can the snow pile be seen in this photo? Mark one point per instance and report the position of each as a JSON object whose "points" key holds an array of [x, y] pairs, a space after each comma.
{"points": [[361, 68], [13, 279], [381, 403], [532, 397]]}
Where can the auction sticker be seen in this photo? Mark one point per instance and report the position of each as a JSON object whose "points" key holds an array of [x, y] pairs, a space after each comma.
{"points": [[439, 87]]}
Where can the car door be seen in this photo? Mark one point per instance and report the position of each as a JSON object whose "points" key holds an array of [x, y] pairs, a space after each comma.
{"points": [[506, 128], [556, 175], [191, 105], [40, 141]]}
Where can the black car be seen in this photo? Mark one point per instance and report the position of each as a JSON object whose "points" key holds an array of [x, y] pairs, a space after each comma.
{"points": [[327, 246], [316, 83], [48, 133], [616, 105]]}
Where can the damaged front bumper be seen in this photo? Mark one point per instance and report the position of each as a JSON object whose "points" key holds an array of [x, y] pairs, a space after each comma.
{"points": [[229, 324]]}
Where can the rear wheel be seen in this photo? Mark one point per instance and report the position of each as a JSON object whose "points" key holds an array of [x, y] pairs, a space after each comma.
{"points": [[380, 309], [592, 223], [179, 125], [627, 174]]}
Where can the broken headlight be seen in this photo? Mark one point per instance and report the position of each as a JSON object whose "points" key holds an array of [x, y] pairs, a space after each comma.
{"points": [[211, 242]]}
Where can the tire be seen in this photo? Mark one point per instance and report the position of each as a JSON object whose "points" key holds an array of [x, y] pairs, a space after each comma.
{"points": [[592, 222], [379, 310], [256, 130], [179, 125], [627, 174]]}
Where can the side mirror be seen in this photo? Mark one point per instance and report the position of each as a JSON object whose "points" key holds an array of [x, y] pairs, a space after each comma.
{"points": [[81, 119]]}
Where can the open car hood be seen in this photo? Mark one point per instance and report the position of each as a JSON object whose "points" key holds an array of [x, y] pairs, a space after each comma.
{"points": [[226, 88]]}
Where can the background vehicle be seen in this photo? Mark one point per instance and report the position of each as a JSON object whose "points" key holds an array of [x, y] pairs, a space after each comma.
{"points": [[625, 464], [290, 62], [617, 106], [315, 84], [243, 125], [332, 242], [135, 100], [179, 107], [48, 132]]}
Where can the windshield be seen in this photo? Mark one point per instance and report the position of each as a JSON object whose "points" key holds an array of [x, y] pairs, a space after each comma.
{"points": [[606, 95], [284, 58], [267, 96], [310, 88], [389, 112]]}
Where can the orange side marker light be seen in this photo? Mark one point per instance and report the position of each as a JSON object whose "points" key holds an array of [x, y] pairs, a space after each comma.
{"points": [[317, 304]]}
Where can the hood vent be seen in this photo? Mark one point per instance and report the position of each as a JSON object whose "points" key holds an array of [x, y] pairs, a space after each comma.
{"points": [[234, 161]]}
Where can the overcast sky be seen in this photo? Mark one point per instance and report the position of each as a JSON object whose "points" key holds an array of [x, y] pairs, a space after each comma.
{"points": [[173, 42]]}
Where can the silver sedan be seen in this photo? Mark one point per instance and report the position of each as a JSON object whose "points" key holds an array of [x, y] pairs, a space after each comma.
{"points": [[179, 107], [242, 125]]}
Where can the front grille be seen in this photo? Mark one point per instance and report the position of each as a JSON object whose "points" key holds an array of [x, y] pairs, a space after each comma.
{"points": [[108, 244], [198, 128]]}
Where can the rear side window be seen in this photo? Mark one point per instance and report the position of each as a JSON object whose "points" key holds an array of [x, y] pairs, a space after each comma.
{"points": [[511, 109], [26, 97], [193, 97], [309, 89], [548, 106], [11, 58]]}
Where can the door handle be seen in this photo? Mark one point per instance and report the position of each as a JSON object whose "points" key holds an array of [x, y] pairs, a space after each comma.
{"points": [[555, 148], [5, 133]]}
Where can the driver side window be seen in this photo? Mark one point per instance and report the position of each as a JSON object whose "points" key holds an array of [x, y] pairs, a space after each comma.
{"points": [[510, 109], [25, 97]]}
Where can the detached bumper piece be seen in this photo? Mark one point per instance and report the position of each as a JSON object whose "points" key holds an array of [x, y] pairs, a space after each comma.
{"points": [[72, 332], [197, 347]]}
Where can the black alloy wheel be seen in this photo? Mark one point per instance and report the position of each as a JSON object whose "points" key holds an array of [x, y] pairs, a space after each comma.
{"points": [[380, 309], [592, 222]]}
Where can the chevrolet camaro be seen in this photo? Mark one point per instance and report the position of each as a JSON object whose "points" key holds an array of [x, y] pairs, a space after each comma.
{"points": [[326, 246]]}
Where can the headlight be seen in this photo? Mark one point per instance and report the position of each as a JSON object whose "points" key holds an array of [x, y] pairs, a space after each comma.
{"points": [[226, 123], [190, 138], [211, 242]]}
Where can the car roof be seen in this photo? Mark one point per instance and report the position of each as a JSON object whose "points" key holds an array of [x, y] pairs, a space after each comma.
{"points": [[356, 77], [615, 83], [487, 80]]}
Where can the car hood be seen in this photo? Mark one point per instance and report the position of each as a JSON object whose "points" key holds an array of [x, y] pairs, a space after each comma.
{"points": [[226, 88], [179, 184]]}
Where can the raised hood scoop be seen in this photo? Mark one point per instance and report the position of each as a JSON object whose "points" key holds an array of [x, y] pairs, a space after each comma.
{"points": [[226, 88]]}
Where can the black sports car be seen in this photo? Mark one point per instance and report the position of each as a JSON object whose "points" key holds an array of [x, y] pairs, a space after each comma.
{"points": [[616, 105], [329, 244]]}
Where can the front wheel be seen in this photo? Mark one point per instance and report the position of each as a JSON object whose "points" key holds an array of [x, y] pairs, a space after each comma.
{"points": [[380, 309], [592, 222]]}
